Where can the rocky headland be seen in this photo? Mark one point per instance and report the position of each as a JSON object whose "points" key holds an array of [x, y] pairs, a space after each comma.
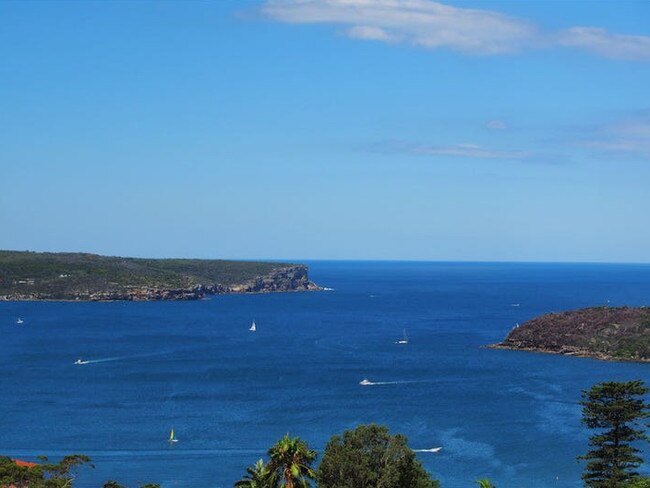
{"points": [[609, 333], [89, 277]]}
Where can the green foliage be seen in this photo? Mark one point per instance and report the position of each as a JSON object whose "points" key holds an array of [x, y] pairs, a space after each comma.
{"points": [[485, 483], [60, 475], [616, 410], [113, 484], [258, 476], [633, 347], [290, 463], [639, 482], [289, 466], [369, 456]]}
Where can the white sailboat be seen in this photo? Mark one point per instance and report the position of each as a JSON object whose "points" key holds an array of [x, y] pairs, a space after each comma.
{"points": [[253, 327], [404, 340], [172, 436]]}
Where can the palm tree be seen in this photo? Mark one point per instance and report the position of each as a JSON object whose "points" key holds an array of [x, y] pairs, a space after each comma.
{"points": [[485, 483], [257, 477], [290, 463]]}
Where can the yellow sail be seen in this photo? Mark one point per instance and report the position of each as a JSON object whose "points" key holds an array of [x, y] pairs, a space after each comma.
{"points": [[171, 436]]}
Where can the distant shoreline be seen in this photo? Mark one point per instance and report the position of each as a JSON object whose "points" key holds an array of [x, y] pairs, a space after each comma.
{"points": [[576, 354], [79, 277], [604, 333], [4, 299]]}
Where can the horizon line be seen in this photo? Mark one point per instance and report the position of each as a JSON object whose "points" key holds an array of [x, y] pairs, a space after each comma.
{"points": [[368, 260]]}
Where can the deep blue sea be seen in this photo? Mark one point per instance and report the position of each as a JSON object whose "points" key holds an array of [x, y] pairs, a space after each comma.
{"points": [[510, 416]]}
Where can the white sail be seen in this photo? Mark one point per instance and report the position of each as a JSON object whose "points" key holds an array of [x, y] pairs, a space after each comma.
{"points": [[253, 327], [405, 340]]}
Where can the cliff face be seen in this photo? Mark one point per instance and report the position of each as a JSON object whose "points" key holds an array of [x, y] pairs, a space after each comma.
{"points": [[603, 333], [291, 278]]}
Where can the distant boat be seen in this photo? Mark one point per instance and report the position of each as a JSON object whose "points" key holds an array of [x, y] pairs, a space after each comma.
{"points": [[19, 321], [514, 304], [81, 361], [404, 340], [365, 382], [253, 327], [172, 436]]}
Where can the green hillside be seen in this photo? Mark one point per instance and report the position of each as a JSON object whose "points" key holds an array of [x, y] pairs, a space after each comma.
{"points": [[75, 275]]}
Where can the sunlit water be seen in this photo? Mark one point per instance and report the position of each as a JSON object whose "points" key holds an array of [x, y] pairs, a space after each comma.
{"points": [[230, 393]]}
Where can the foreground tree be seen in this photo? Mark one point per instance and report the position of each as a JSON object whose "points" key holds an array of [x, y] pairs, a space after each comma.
{"points": [[290, 463], [59, 475], [616, 409], [258, 476], [370, 457], [113, 484], [640, 482], [485, 483]]}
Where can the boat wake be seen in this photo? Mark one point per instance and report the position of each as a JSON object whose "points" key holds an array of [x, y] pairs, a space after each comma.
{"points": [[366, 382], [433, 449], [121, 358]]}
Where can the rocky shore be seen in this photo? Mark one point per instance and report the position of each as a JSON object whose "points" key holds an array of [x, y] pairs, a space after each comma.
{"points": [[607, 333]]}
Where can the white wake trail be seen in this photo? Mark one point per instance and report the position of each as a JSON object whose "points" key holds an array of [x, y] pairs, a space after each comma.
{"points": [[377, 383]]}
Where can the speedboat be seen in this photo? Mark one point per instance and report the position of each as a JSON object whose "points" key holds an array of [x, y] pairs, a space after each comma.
{"points": [[433, 449], [365, 382], [19, 321], [80, 361]]}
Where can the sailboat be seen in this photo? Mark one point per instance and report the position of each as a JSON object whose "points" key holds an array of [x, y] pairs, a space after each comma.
{"points": [[172, 436], [19, 321], [253, 327], [405, 340]]}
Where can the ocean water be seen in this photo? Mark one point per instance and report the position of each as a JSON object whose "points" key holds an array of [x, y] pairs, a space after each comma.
{"points": [[510, 416]]}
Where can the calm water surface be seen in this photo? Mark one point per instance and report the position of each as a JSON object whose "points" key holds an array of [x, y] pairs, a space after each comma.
{"points": [[509, 416]]}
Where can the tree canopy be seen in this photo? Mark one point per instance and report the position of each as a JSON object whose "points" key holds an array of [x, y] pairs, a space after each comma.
{"points": [[369, 456], [616, 410]]}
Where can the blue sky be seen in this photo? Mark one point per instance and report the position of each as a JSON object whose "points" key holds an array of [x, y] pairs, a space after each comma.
{"points": [[332, 129]]}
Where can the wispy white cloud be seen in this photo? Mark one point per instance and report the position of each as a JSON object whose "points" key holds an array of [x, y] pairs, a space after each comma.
{"points": [[434, 25], [466, 150], [418, 22], [469, 151], [371, 33], [496, 125], [628, 138], [607, 44]]}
